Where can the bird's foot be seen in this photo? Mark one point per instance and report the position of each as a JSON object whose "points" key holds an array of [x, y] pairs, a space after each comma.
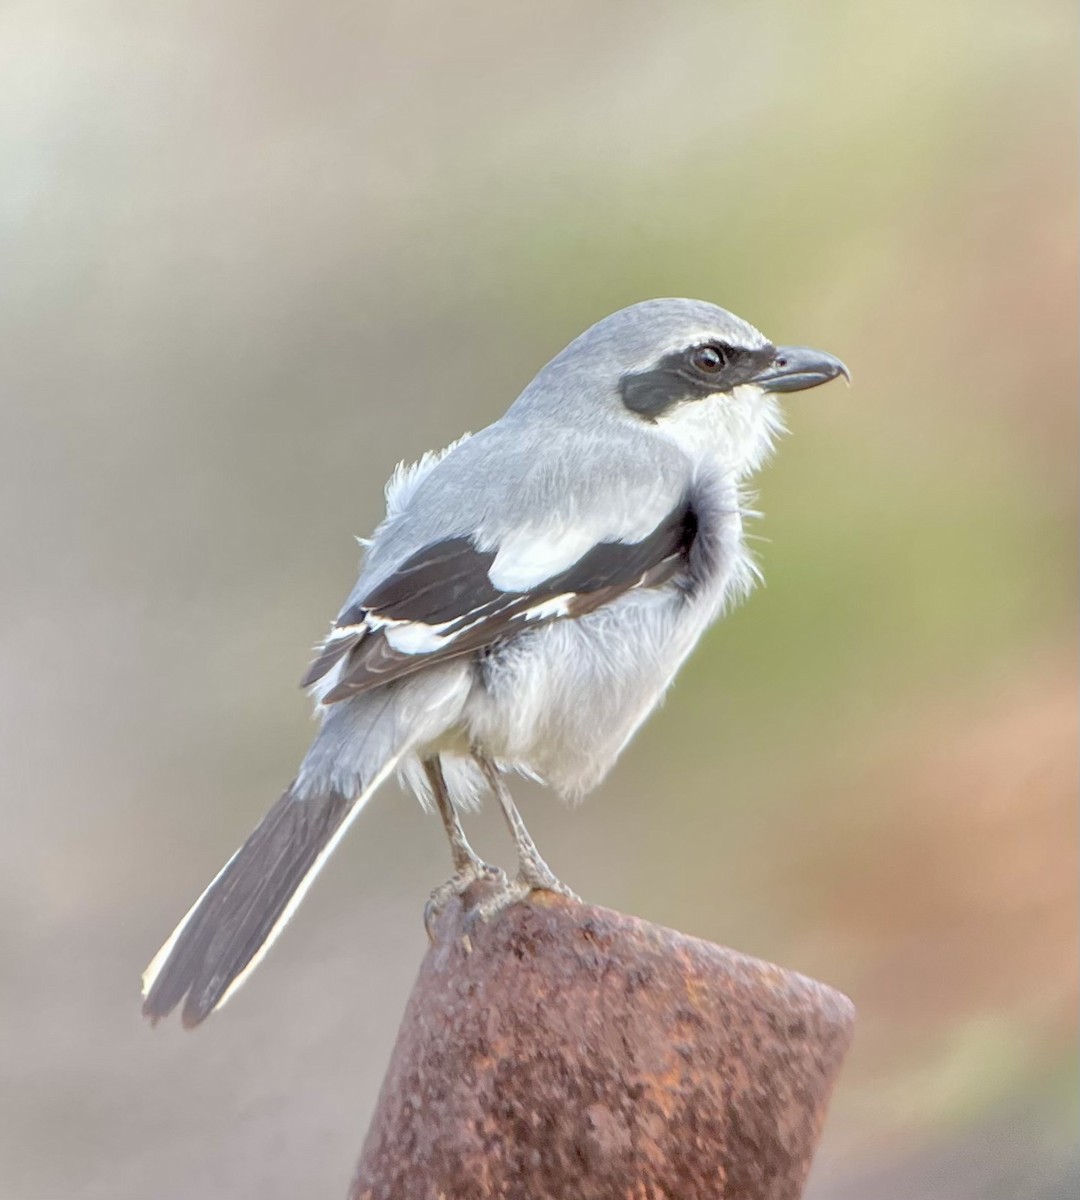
{"points": [[495, 902], [538, 876], [558, 887], [516, 890], [473, 871]]}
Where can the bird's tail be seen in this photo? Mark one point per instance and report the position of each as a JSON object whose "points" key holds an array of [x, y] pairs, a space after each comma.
{"points": [[235, 921]]}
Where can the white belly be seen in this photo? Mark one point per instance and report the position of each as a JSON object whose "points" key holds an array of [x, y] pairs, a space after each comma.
{"points": [[562, 703]]}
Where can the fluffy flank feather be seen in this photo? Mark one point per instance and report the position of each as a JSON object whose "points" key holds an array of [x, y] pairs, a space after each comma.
{"points": [[407, 476]]}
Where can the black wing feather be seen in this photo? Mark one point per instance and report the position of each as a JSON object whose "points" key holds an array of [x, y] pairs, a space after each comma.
{"points": [[436, 584], [448, 584]]}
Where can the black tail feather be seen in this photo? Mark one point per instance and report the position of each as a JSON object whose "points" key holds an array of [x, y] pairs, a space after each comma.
{"points": [[237, 917]]}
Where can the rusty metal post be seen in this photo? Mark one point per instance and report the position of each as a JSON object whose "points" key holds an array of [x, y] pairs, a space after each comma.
{"points": [[566, 1052]]}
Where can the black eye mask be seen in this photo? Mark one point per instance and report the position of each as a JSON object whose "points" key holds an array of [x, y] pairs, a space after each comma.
{"points": [[675, 379]]}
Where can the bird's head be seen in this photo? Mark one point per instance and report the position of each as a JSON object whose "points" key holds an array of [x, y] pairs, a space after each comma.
{"points": [[690, 372]]}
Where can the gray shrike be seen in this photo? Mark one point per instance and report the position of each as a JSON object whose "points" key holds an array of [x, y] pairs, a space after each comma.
{"points": [[522, 607]]}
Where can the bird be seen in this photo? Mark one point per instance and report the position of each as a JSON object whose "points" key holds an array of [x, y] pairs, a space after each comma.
{"points": [[521, 609]]}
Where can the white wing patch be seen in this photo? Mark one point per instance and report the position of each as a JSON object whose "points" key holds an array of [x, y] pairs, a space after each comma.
{"points": [[557, 606], [531, 555], [415, 637]]}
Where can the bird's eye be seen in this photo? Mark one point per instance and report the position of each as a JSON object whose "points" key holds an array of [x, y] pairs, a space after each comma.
{"points": [[708, 359]]}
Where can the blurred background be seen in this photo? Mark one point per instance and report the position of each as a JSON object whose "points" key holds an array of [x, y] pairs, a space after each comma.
{"points": [[251, 255]]}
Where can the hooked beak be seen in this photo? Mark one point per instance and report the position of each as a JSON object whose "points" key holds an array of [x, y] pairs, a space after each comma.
{"points": [[795, 368]]}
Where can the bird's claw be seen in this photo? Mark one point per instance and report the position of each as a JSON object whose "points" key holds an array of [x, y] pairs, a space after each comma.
{"points": [[513, 892], [457, 885]]}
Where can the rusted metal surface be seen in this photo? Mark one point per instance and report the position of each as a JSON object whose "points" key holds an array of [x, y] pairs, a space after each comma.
{"points": [[569, 1052]]}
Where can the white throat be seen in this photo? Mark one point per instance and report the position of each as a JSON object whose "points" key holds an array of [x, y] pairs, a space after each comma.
{"points": [[734, 431]]}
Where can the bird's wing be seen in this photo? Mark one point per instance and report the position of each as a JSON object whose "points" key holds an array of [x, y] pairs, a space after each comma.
{"points": [[451, 598]]}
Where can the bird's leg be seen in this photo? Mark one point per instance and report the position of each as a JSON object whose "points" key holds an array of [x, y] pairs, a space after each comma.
{"points": [[533, 872], [468, 865], [463, 855]]}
